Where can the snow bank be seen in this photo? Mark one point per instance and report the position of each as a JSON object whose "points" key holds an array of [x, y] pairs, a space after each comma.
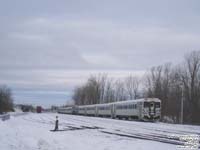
{"points": [[4, 117]]}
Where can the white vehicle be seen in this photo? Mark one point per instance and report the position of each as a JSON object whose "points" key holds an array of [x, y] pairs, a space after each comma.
{"points": [[67, 110], [104, 110], [148, 109], [90, 110]]}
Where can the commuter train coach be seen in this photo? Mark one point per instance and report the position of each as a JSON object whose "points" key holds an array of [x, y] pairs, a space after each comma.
{"points": [[148, 109]]}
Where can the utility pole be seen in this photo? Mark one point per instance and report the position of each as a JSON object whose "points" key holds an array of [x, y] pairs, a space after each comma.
{"points": [[182, 94]]}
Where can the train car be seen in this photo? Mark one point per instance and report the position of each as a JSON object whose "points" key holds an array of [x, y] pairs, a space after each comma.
{"points": [[65, 110], [68, 110], [142, 109], [104, 110], [90, 110], [128, 109], [39, 109], [151, 109], [61, 110], [82, 110], [148, 109]]}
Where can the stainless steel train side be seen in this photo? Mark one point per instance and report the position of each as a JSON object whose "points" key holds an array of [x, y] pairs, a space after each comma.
{"points": [[148, 109]]}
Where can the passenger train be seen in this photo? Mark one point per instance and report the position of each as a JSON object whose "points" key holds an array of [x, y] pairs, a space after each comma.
{"points": [[147, 109]]}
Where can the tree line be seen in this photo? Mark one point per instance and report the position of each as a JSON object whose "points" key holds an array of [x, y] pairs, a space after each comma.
{"points": [[6, 100], [168, 82], [101, 89]]}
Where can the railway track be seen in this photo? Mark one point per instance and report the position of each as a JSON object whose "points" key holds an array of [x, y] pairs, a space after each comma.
{"points": [[72, 123], [153, 136], [120, 125], [147, 137], [168, 140]]}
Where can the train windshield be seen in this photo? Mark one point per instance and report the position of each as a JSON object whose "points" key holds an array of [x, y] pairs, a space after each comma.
{"points": [[151, 104], [157, 104], [146, 104]]}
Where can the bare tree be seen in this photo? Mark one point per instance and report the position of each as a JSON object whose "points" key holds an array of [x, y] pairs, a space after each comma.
{"points": [[191, 80], [109, 91], [159, 84], [92, 92], [6, 100], [120, 93], [169, 83], [132, 86], [153, 82]]}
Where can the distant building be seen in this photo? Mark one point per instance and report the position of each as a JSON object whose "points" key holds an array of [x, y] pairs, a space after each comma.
{"points": [[54, 108], [25, 108]]}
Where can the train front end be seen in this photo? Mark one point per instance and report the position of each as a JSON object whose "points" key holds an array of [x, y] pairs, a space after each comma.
{"points": [[152, 109]]}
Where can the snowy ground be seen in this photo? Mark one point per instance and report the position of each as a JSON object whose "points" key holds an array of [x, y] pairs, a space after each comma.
{"points": [[32, 132]]}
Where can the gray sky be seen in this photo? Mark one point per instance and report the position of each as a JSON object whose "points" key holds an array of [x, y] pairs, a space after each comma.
{"points": [[49, 47]]}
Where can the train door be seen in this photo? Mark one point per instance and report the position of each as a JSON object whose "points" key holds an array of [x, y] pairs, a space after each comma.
{"points": [[113, 110], [140, 110], [152, 109], [85, 111], [97, 111]]}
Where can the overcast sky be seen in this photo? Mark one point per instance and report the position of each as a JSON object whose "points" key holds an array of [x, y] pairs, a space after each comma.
{"points": [[48, 47]]}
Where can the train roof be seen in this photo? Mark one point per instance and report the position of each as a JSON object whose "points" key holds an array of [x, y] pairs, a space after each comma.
{"points": [[138, 100], [126, 101]]}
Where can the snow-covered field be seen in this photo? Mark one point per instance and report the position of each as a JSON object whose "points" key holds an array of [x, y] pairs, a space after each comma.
{"points": [[32, 132]]}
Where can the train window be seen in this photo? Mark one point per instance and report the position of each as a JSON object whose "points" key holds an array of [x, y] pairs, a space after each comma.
{"points": [[104, 108], [157, 105], [146, 104], [132, 106], [120, 107]]}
